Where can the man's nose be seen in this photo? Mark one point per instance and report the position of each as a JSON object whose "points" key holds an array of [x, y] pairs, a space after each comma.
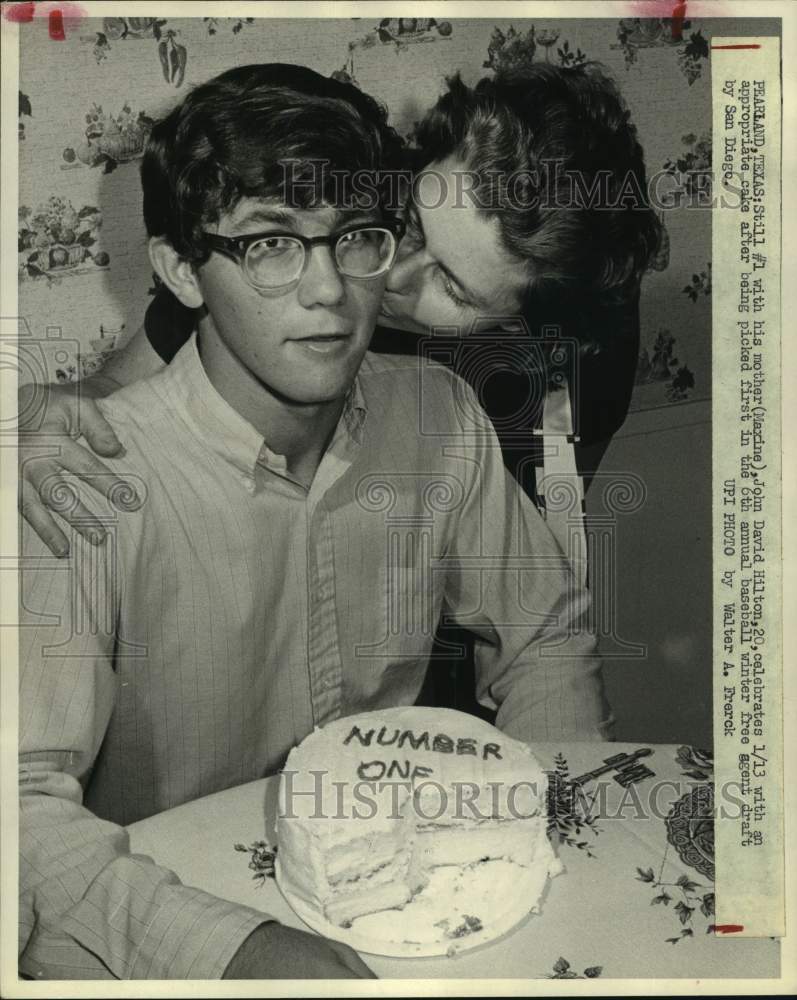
{"points": [[321, 283]]}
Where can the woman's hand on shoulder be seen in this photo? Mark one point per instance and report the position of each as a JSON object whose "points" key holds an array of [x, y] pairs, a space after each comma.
{"points": [[51, 418]]}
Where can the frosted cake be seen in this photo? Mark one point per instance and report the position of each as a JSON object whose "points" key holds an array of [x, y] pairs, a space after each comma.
{"points": [[398, 808]]}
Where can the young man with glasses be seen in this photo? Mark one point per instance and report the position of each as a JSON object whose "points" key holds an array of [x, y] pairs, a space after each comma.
{"points": [[307, 511]]}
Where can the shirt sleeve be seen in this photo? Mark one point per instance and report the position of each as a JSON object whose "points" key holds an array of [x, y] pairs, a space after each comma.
{"points": [[169, 324], [536, 661], [88, 908]]}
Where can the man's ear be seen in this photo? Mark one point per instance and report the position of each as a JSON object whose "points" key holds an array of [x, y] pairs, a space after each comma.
{"points": [[175, 272]]}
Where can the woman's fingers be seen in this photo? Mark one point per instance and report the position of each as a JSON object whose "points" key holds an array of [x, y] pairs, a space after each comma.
{"points": [[45, 489], [75, 460], [63, 497], [48, 483], [37, 516], [97, 431], [54, 484]]}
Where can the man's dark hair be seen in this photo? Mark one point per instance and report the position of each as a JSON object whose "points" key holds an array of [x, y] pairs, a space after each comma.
{"points": [[225, 141], [560, 167]]}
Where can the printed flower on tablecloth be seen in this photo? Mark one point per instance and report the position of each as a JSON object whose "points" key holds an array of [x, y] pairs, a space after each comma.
{"points": [[698, 764], [569, 809], [686, 899], [111, 139], [261, 860], [562, 970], [56, 239]]}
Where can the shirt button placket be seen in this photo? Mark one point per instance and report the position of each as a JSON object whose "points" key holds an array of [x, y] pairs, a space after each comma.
{"points": [[323, 644]]}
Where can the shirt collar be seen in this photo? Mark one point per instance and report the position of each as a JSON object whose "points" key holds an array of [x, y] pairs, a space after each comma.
{"points": [[186, 387]]}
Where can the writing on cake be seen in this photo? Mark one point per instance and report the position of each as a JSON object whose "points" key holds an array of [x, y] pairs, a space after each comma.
{"points": [[376, 770]]}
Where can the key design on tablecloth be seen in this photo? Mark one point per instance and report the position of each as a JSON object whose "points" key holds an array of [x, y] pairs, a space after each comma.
{"points": [[690, 830]]}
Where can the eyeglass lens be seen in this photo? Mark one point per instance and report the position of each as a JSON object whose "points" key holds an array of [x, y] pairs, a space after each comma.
{"points": [[279, 260]]}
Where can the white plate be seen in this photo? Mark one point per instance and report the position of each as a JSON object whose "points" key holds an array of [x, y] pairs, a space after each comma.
{"points": [[442, 918]]}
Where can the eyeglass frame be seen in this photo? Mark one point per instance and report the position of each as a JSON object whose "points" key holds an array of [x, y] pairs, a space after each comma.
{"points": [[236, 248]]}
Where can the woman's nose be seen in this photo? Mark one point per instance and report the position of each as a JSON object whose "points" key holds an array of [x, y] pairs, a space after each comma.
{"points": [[404, 272]]}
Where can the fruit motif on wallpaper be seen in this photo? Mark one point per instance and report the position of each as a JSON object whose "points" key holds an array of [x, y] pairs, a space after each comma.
{"points": [[515, 50], [239, 23], [172, 55], [406, 30], [395, 31], [24, 111], [636, 33], [661, 365], [173, 58], [132, 27], [692, 169], [73, 367], [699, 285], [57, 239], [110, 139]]}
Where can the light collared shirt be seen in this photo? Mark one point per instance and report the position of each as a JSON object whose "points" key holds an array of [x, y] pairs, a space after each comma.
{"points": [[234, 610]]}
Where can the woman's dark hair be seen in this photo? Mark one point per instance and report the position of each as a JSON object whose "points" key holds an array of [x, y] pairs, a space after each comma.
{"points": [[559, 165], [225, 142]]}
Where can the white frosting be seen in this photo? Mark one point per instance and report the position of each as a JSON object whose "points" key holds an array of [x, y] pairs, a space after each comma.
{"points": [[372, 805]]}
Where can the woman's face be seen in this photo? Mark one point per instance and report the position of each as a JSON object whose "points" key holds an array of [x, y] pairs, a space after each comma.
{"points": [[451, 268]]}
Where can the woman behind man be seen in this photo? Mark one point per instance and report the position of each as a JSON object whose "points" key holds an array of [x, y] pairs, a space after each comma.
{"points": [[544, 226], [560, 238], [528, 215]]}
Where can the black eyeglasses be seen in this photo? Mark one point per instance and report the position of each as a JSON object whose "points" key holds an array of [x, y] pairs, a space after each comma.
{"points": [[276, 260]]}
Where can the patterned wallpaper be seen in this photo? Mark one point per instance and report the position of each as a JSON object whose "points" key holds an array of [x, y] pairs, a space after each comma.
{"points": [[86, 105]]}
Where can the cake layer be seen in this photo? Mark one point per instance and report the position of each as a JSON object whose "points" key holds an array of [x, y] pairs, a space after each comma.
{"points": [[342, 910], [364, 855], [511, 841]]}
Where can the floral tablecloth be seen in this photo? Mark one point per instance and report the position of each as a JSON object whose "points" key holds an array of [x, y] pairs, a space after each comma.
{"points": [[636, 898]]}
